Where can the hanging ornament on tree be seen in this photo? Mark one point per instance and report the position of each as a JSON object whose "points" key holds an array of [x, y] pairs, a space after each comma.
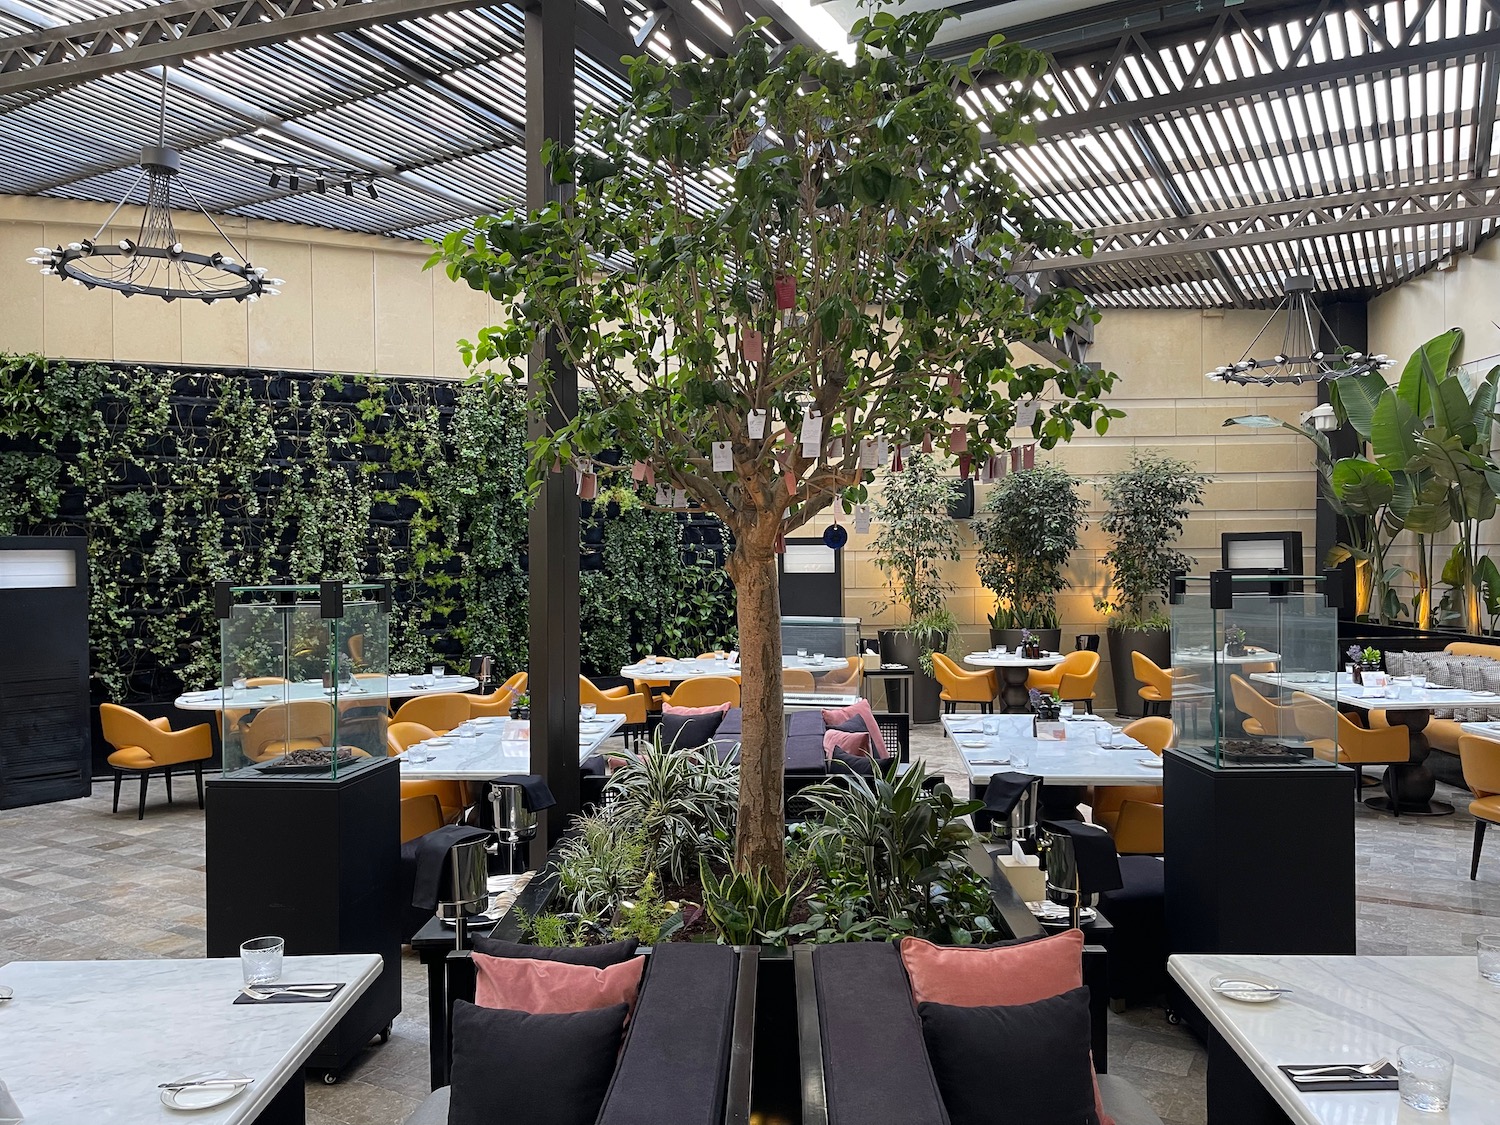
{"points": [[780, 544], [896, 460], [958, 440], [1028, 458], [786, 296], [753, 346], [926, 442], [834, 537], [755, 425], [638, 471]]}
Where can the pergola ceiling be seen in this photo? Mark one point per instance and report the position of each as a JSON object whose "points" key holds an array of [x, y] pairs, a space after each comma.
{"points": [[1213, 147]]}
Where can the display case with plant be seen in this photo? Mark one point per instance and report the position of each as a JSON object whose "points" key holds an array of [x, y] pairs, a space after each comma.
{"points": [[1146, 505], [914, 537], [1028, 534]]}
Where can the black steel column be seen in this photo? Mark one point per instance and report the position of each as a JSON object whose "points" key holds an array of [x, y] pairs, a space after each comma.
{"points": [[1350, 322], [553, 543]]}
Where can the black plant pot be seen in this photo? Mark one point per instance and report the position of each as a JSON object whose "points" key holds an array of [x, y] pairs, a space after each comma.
{"points": [[899, 647], [1154, 643], [1049, 639]]}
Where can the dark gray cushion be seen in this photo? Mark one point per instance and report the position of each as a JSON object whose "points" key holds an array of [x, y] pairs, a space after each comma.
{"points": [[1014, 1064], [1122, 1101], [688, 732], [595, 956]]}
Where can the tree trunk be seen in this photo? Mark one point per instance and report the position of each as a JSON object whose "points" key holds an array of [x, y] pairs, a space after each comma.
{"points": [[760, 842]]}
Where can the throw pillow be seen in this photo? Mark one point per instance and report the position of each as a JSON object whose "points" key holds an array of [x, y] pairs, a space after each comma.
{"points": [[861, 765], [545, 987], [687, 732], [1034, 1059], [598, 956], [567, 1062], [1395, 663], [847, 741], [836, 717], [717, 708]]}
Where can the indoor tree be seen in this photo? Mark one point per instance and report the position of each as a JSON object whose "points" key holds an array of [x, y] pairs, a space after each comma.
{"points": [[1147, 504], [771, 270], [1030, 531]]}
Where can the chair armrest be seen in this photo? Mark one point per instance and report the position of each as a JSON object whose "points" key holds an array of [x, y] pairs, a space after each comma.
{"points": [[190, 745], [1140, 829], [162, 723], [615, 692]]}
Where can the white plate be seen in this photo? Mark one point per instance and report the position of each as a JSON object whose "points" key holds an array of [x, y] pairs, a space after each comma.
{"points": [[205, 1097], [971, 743], [1153, 761], [1247, 988], [437, 743]]}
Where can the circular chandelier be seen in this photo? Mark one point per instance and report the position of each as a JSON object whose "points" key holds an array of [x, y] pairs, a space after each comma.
{"points": [[1301, 359], [154, 262]]}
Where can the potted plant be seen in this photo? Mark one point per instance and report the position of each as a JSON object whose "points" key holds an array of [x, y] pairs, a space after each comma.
{"points": [[1147, 503], [1046, 706], [1362, 661], [1234, 640], [915, 537], [1028, 644], [1029, 531], [521, 708]]}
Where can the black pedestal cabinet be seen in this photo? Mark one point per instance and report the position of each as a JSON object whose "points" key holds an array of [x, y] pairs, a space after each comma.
{"points": [[314, 861]]}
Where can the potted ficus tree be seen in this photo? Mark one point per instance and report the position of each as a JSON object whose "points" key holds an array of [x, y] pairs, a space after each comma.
{"points": [[1029, 531], [766, 268], [914, 537], [1147, 503]]}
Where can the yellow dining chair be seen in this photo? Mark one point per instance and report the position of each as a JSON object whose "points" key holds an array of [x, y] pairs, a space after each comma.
{"points": [[845, 680], [441, 712], [1320, 724], [400, 737], [654, 690], [1112, 804], [1072, 681], [419, 816], [1481, 764], [280, 728], [705, 691], [143, 745], [498, 703], [1154, 732], [1156, 689], [795, 679], [1263, 718], [964, 687], [614, 701]]}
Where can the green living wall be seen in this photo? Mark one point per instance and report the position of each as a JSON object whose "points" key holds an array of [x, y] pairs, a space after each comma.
{"points": [[181, 478]]}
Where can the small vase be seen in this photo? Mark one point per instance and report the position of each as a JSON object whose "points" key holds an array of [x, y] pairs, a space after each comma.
{"points": [[1234, 648]]}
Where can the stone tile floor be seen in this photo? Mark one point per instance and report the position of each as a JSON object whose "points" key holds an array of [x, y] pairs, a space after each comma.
{"points": [[77, 882]]}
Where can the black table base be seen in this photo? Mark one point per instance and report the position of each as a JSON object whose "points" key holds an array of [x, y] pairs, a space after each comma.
{"points": [[1409, 785]]}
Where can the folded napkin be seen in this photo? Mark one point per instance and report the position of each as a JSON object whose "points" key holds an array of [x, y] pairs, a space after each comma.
{"points": [[9, 1110], [432, 859], [1004, 790], [537, 795], [1383, 1079], [289, 997]]}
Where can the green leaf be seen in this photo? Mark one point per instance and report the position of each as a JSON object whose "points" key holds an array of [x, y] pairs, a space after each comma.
{"points": [[1435, 358], [1363, 486], [1355, 398], [1394, 433]]}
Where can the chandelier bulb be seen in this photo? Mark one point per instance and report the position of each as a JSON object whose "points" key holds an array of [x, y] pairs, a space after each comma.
{"points": [[75, 246], [42, 250], [127, 246], [176, 250]]}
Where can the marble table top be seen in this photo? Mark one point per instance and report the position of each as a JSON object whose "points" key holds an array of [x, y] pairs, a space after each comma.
{"points": [[1400, 696], [370, 687], [1484, 730], [1203, 656], [1076, 760], [1012, 660], [497, 746], [708, 666], [1356, 1010], [89, 1041]]}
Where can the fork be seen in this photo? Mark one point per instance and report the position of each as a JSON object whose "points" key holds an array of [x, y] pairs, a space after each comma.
{"points": [[1368, 1069], [276, 990]]}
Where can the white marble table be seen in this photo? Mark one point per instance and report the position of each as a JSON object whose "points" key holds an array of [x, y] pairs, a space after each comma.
{"points": [[1408, 785], [1204, 656], [88, 1042], [1076, 760], [1353, 1010], [1484, 730], [372, 688], [1013, 669], [675, 671], [497, 747]]}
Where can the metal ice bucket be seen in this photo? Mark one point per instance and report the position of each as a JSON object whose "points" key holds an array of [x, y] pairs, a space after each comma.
{"points": [[1062, 874], [514, 822], [1020, 826], [468, 881]]}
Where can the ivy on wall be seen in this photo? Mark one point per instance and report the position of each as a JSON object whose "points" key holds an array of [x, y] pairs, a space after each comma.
{"points": [[184, 478]]}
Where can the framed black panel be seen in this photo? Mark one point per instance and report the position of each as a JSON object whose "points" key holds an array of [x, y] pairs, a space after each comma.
{"points": [[811, 575]]}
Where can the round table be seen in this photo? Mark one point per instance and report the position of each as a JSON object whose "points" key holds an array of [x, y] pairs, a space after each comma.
{"points": [[396, 687], [1013, 669]]}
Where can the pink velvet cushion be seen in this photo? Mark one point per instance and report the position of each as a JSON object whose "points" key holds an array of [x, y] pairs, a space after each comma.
{"points": [[862, 711], [668, 709], [548, 987], [850, 742], [1008, 974]]}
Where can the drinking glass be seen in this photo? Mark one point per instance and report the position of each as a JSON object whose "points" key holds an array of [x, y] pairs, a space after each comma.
{"points": [[817, 658], [802, 654], [439, 671], [260, 958], [990, 726], [239, 683], [1489, 957], [1425, 1076], [1019, 761], [587, 711], [1065, 711], [1001, 650], [1419, 682]]}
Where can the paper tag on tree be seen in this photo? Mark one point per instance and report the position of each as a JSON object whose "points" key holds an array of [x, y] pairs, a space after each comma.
{"points": [[756, 423], [1015, 460], [786, 290], [753, 345], [1028, 457], [964, 460], [812, 434], [896, 460], [867, 453], [588, 486], [791, 483], [679, 498], [663, 496], [836, 448], [958, 440], [926, 442], [1026, 413], [723, 457], [862, 519], [882, 450], [638, 471]]}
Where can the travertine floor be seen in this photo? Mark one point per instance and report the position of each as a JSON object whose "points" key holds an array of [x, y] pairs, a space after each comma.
{"points": [[78, 882]]}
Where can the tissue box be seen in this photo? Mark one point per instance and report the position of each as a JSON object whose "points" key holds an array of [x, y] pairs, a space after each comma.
{"points": [[1026, 876]]}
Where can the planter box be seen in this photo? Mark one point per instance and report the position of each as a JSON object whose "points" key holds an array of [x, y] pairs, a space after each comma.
{"points": [[1155, 643]]}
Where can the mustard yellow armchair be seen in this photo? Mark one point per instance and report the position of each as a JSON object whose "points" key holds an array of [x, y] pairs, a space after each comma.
{"points": [[705, 691], [1481, 764], [441, 712], [280, 728], [1140, 828], [1154, 732], [420, 815], [143, 745], [614, 701], [964, 687], [845, 680], [498, 703], [654, 690], [400, 737], [796, 679], [1072, 681], [1321, 727], [1263, 718], [1156, 681]]}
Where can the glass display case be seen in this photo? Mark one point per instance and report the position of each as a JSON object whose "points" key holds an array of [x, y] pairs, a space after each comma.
{"points": [[837, 638], [1254, 661], [304, 677]]}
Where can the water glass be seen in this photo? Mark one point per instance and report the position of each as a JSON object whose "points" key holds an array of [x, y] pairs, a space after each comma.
{"points": [[990, 726], [1489, 957], [802, 654], [1425, 1076], [1065, 711], [587, 711], [1419, 682], [260, 958], [1019, 761], [817, 658], [240, 684], [439, 671]]}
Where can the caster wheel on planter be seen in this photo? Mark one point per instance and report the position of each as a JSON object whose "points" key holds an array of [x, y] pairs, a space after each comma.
{"points": [[385, 1034], [1173, 1018], [330, 1078]]}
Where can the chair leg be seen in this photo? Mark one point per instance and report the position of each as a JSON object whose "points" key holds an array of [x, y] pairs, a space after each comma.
{"points": [[168, 772], [140, 813], [198, 775], [1479, 827], [119, 777]]}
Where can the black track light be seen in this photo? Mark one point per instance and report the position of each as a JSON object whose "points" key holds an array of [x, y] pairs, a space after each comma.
{"points": [[322, 184], [349, 188], [370, 187], [296, 181], [275, 179]]}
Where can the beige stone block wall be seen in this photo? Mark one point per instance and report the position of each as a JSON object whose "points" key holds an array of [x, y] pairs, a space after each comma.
{"points": [[1264, 480], [351, 303]]}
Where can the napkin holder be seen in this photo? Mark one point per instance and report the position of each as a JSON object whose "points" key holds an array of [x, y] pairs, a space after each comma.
{"points": [[1025, 875]]}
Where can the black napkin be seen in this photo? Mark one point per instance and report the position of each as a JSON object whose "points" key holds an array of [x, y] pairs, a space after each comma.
{"points": [[538, 796], [288, 997], [1094, 852], [432, 860], [1004, 790], [1383, 1079]]}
